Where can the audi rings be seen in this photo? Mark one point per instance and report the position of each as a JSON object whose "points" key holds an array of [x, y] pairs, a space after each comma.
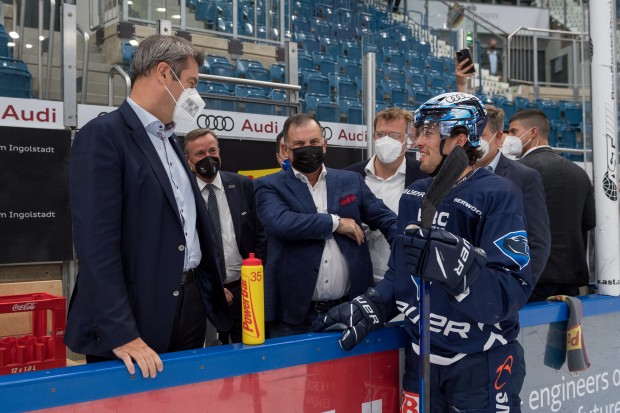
{"points": [[327, 133], [216, 122]]}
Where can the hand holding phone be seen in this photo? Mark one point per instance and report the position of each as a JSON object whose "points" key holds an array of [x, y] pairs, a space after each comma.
{"points": [[463, 55]]}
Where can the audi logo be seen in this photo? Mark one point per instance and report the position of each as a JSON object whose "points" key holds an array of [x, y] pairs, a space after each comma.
{"points": [[217, 123], [327, 133]]}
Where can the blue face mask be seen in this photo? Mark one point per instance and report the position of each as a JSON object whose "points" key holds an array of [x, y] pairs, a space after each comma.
{"points": [[286, 165]]}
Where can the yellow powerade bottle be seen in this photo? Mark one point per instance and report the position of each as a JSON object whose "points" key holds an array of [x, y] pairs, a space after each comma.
{"points": [[252, 301]]}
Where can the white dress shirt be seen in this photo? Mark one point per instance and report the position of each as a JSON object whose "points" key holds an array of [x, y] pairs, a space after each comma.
{"points": [[389, 191], [333, 281], [232, 257], [179, 180]]}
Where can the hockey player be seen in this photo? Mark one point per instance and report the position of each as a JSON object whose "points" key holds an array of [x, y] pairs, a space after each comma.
{"points": [[476, 257]]}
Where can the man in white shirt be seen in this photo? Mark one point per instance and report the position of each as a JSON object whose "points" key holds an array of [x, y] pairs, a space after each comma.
{"points": [[387, 174]]}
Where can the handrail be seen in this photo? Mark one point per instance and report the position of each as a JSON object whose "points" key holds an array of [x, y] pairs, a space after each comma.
{"points": [[124, 75], [477, 19], [85, 62], [250, 82]]}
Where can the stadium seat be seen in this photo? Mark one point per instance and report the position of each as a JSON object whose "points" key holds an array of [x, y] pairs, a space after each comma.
{"points": [[14, 81], [552, 112], [345, 103], [328, 65], [328, 112], [278, 95], [347, 89], [418, 80], [352, 50], [258, 73], [399, 96], [244, 64], [206, 11], [522, 103], [318, 84], [353, 70], [421, 97], [127, 53], [5, 50], [311, 101], [277, 73], [568, 137], [573, 114], [355, 114], [343, 62], [305, 61], [509, 109], [219, 68]]}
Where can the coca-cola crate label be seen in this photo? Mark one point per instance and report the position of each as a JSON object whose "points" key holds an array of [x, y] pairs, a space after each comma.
{"points": [[24, 307]]}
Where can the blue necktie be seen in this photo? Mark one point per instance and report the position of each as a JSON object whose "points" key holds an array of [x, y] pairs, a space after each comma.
{"points": [[214, 218]]}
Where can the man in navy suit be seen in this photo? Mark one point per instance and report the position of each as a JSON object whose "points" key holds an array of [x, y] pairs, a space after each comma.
{"points": [[241, 231], [147, 279], [317, 255], [387, 174], [528, 180]]}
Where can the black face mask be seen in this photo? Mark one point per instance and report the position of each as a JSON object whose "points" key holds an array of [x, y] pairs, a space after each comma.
{"points": [[208, 167], [308, 159]]}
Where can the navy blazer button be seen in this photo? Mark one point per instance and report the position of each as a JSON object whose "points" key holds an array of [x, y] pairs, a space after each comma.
{"points": [[175, 293], [181, 248]]}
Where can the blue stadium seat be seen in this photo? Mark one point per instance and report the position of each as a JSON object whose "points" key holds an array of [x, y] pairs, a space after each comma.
{"points": [[278, 95], [345, 103], [225, 102], [206, 11], [305, 61], [324, 11], [14, 80], [439, 82], [552, 112], [328, 112], [399, 96], [318, 84], [573, 114], [277, 73], [301, 24], [5, 50], [328, 65], [509, 109], [244, 64], [541, 102], [224, 69], [310, 45], [322, 28], [355, 115], [343, 62], [352, 50], [379, 106], [257, 73], [127, 53], [522, 102], [353, 70], [418, 80], [245, 91], [568, 137], [330, 46], [209, 60], [305, 76], [421, 97], [311, 101], [334, 79], [347, 89]]}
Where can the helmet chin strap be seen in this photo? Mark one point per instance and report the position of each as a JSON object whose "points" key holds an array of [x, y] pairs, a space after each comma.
{"points": [[443, 158]]}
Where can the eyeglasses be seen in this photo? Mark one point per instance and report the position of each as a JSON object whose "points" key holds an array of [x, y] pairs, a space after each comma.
{"points": [[394, 135]]}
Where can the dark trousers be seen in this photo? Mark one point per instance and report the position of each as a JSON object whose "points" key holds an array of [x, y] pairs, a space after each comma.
{"points": [[542, 291], [317, 309], [234, 334], [482, 382], [189, 326]]}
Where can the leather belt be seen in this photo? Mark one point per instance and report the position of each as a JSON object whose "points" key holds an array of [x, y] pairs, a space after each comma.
{"points": [[324, 306], [232, 284], [189, 276]]}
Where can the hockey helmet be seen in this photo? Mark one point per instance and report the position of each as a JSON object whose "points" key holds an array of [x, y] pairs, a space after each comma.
{"points": [[451, 110]]}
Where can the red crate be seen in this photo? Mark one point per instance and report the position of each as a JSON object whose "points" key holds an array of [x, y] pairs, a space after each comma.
{"points": [[36, 351]]}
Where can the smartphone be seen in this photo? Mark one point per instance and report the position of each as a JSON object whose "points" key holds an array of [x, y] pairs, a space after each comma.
{"points": [[464, 54]]}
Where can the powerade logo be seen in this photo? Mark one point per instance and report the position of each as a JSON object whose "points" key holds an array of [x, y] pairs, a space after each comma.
{"points": [[514, 246], [250, 325]]}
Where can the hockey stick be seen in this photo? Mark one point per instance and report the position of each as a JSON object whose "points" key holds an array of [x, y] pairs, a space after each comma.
{"points": [[442, 183]]}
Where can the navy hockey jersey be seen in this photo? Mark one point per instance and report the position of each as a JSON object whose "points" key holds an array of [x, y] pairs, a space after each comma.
{"points": [[487, 210]]}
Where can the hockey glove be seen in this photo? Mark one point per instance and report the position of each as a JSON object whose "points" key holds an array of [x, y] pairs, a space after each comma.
{"points": [[358, 317], [440, 256]]}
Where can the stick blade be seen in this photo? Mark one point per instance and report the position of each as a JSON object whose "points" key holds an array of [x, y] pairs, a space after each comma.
{"points": [[442, 183]]}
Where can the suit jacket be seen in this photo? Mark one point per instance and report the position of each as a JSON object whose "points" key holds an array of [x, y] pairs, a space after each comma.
{"points": [[537, 219], [296, 236], [412, 169], [129, 240], [248, 228], [570, 204]]}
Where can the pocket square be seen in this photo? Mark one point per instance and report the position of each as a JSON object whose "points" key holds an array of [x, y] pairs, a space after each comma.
{"points": [[347, 199]]}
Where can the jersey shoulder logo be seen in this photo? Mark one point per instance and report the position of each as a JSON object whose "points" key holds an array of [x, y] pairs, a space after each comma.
{"points": [[514, 245]]}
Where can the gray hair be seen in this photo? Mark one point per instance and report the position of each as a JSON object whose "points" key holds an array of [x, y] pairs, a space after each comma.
{"points": [[159, 48]]}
